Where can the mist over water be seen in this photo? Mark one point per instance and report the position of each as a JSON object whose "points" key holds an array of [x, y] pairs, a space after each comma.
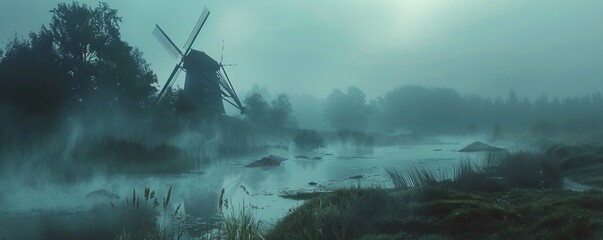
{"points": [[338, 120]]}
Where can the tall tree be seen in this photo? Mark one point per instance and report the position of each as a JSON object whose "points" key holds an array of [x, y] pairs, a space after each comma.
{"points": [[81, 49], [257, 109], [104, 69], [348, 110], [33, 83], [280, 111]]}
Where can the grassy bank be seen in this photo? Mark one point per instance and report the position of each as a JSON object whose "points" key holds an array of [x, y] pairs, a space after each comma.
{"points": [[511, 195], [582, 163], [437, 213]]}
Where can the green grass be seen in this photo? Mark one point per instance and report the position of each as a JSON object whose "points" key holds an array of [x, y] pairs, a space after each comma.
{"points": [[438, 213], [499, 171], [301, 195], [240, 226], [511, 195], [151, 218], [582, 163]]}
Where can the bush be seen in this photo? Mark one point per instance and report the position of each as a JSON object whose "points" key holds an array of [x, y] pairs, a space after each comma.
{"points": [[308, 140]]}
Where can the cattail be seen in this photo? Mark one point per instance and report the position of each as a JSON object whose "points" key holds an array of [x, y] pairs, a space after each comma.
{"points": [[134, 197], [146, 193], [178, 208], [221, 201], [167, 199]]}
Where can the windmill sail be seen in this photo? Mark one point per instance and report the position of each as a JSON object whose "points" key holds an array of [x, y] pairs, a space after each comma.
{"points": [[196, 29], [207, 85], [173, 76], [167, 43]]}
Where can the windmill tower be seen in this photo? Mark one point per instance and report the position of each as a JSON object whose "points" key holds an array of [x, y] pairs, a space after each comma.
{"points": [[207, 83]]}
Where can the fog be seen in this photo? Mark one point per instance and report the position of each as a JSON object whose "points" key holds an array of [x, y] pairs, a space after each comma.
{"points": [[475, 47], [325, 120]]}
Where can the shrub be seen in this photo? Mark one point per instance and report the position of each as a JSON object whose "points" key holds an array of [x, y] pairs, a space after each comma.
{"points": [[308, 140]]}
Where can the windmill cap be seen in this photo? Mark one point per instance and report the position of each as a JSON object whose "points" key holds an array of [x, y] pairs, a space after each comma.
{"points": [[200, 60]]}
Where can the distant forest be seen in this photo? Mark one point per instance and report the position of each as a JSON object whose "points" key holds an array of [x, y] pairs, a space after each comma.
{"points": [[445, 111], [78, 66]]}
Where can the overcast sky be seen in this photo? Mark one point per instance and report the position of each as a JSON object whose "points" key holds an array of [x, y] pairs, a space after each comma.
{"points": [[475, 46]]}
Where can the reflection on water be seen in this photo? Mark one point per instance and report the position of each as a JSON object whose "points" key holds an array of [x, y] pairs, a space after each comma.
{"points": [[57, 207]]}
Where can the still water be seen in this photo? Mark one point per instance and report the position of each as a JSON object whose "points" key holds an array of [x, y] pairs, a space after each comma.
{"points": [[54, 208]]}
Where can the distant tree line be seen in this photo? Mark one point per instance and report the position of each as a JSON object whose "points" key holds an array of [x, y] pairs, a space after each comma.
{"points": [[445, 111], [78, 63], [276, 114]]}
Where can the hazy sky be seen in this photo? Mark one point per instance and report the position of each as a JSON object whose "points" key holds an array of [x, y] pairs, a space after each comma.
{"points": [[474, 46]]}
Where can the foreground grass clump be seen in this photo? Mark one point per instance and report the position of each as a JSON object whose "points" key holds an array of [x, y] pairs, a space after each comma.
{"points": [[150, 219], [582, 163], [438, 213], [240, 226]]}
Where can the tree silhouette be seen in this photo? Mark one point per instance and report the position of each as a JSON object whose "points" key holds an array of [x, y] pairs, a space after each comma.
{"points": [[104, 69], [348, 110], [77, 63], [33, 83], [280, 111]]}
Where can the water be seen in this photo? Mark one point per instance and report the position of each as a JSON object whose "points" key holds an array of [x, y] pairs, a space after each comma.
{"points": [[51, 207]]}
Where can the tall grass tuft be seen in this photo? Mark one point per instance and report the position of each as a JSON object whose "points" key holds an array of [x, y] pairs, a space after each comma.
{"points": [[149, 221], [501, 170], [523, 169], [241, 226], [415, 177], [470, 177]]}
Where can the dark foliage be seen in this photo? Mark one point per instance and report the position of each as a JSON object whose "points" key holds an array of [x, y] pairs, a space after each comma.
{"points": [[277, 114], [77, 64], [308, 140], [444, 110], [348, 110]]}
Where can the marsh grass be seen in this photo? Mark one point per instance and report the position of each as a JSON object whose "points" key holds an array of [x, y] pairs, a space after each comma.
{"points": [[429, 212], [240, 225], [499, 171], [582, 163], [523, 169], [415, 177], [150, 219]]}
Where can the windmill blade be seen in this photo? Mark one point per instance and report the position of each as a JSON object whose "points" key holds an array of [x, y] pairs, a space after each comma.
{"points": [[196, 30], [222, 55], [235, 97], [170, 82], [167, 43]]}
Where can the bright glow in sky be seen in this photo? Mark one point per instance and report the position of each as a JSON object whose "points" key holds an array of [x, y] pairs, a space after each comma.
{"points": [[474, 46]]}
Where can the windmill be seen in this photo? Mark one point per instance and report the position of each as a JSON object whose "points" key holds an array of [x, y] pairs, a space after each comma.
{"points": [[207, 83]]}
